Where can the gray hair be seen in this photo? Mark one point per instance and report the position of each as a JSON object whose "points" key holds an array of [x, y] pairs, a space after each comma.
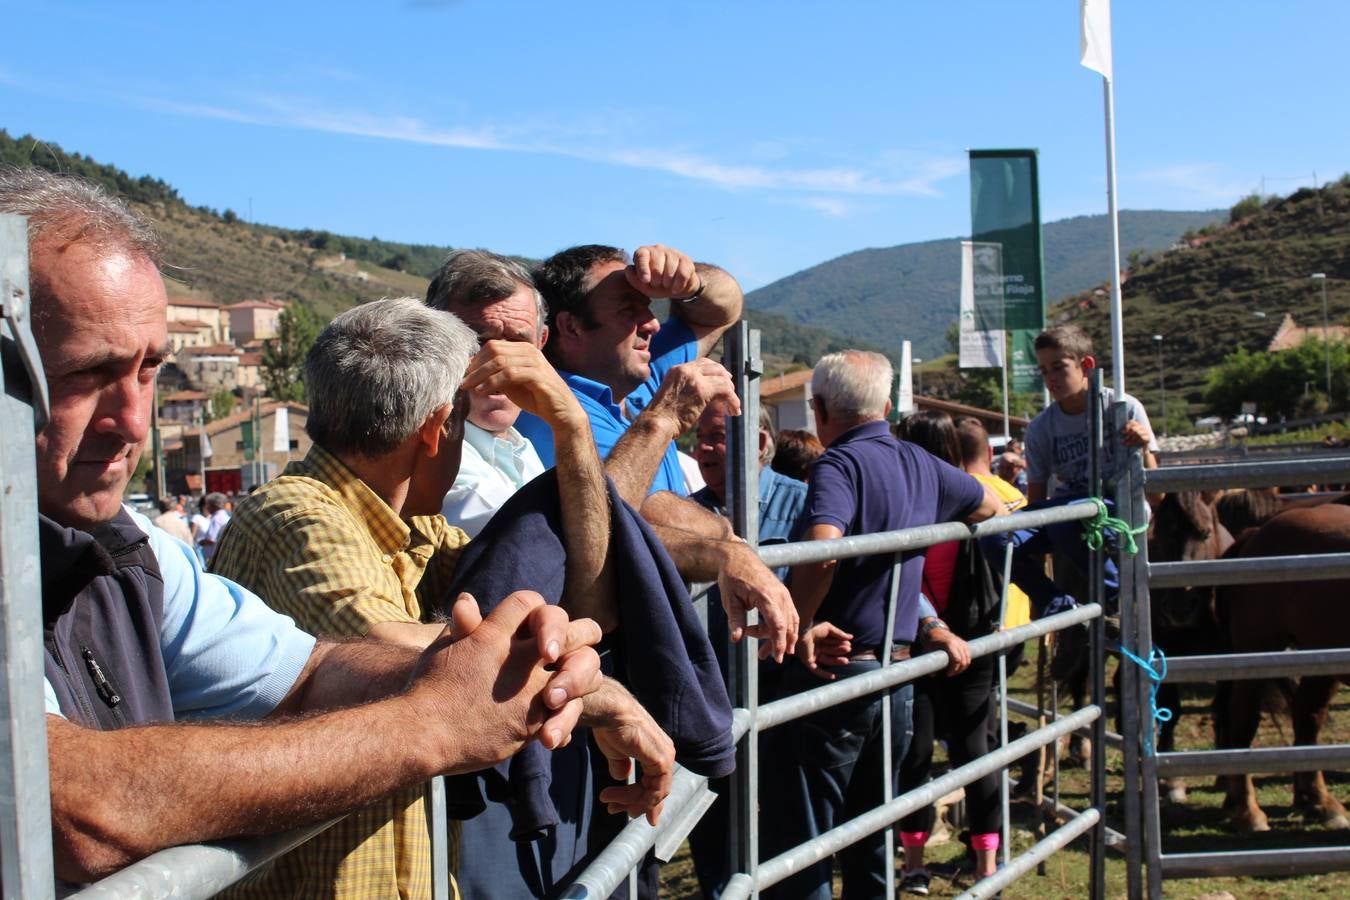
{"points": [[69, 209], [853, 383], [476, 278], [378, 371], [214, 501], [766, 426]]}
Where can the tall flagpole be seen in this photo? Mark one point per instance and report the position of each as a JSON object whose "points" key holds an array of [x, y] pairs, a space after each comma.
{"points": [[1117, 328], [1095, 53]]}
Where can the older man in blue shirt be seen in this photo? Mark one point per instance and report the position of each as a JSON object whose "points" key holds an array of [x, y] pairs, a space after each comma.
{"points": [[866, 482]]}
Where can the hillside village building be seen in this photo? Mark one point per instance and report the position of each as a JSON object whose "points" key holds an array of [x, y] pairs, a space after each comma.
{"points": [[227, 468], [212, 368], [255, 320], [191, 315], [1289, 335], [788, 399]]}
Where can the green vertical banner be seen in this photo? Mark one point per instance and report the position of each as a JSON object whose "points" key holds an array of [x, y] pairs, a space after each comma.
{"points": [[1005, 209], [246, 433]]}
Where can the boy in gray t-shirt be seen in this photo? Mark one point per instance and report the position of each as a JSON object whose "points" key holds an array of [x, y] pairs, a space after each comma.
{"points": [[1058, 445], [1057, 440]]}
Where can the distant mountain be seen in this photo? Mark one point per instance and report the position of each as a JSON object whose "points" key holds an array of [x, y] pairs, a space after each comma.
{"points": [[910, 292]]}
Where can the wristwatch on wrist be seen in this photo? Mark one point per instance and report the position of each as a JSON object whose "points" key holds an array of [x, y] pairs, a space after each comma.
{"points": [[929, 626], [694, 296]]}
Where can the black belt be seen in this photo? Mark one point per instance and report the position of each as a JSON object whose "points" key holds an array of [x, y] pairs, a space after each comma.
{"points": [[899, 652]]}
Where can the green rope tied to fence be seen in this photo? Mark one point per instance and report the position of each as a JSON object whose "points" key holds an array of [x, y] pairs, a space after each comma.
{"points": [[1095, 528]]}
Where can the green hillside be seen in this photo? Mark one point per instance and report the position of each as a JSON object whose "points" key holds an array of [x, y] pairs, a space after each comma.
{"points": [[910, 291], [1229, 287]]}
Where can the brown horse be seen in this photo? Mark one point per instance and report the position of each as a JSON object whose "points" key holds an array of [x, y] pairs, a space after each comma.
{"points": [[1309, 615], [1186, 527]]}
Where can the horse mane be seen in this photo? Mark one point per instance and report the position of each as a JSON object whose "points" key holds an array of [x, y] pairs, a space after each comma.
{"points": [[1240, 510], [1192, 510]]}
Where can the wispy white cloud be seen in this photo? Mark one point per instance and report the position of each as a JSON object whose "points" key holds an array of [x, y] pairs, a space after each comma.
{"points": [[834, 207], [1197, 182], [591, 144], [771, 170]]}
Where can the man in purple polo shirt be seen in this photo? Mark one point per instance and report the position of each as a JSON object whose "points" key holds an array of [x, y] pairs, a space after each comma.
{"points": [[644, 383], [866, 482]]}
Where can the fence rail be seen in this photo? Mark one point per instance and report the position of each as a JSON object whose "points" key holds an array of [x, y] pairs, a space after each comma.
{"points": [[194, 870], [1043, 850], [1248, 666], [776, 555], [1256, 862], [1252, 761], [1252, 570], [612, 866], [786, 864], [1268, 473]]}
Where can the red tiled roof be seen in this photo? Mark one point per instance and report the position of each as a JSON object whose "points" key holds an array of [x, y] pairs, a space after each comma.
{"points": [[257, 304], [781, 384], [251, 359], [187, 326], [1290, 335], [183, 396]]}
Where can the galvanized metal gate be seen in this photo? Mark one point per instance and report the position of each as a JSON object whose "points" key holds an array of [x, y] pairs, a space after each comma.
{"points": [[1145, 856]]}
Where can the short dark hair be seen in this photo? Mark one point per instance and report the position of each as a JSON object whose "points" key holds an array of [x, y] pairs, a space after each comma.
{"points": [[168, 504], [973, 438], [1068, 339], [476, 278], [564, 280], [934, 431], [796, 450]]}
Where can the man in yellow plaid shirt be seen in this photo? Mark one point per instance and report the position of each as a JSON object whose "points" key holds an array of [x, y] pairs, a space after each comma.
{"points": [[349, 542]]}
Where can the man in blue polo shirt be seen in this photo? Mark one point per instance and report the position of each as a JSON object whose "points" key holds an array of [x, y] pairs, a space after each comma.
{"points": [[644, 383], [866, 482]]}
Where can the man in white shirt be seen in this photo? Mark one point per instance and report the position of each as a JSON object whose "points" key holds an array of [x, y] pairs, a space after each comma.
{"points": [[497, 460], [218, 517], [494, 296]]}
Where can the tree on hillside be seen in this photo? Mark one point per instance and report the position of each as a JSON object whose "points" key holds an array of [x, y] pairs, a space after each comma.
{"points": [[1290, 383], [284, 355], [221, 404]]}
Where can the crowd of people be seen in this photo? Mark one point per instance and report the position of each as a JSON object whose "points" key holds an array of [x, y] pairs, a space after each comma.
{"points": [[479, 570]]}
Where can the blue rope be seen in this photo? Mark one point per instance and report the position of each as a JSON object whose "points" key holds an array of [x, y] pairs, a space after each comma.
{"points": [[1155, 674]]}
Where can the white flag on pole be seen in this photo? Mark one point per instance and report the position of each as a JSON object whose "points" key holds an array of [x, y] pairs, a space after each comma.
{"points": [[281, 430], [206, 444], [1095, 40], [904, 401]]}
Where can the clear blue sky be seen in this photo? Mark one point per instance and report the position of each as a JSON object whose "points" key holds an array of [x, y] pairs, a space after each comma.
{"points": [[766, 137]]}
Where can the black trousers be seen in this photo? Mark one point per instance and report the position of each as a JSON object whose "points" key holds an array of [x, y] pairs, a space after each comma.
{"points": [[957, 709]]}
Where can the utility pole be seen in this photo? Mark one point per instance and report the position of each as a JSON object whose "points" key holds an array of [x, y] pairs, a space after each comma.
{"points": [[1326, 332], [1162, 390]]}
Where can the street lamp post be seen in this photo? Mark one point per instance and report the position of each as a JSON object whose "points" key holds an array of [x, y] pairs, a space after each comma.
{"points": [[1326, 332], [1162, 390]]}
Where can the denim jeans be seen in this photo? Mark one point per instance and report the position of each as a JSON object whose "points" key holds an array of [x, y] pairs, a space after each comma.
{"points": [[832, 772], [1030, 545]]}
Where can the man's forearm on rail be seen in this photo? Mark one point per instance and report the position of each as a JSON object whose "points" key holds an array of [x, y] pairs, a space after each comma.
{"points": [[584, 497]]}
